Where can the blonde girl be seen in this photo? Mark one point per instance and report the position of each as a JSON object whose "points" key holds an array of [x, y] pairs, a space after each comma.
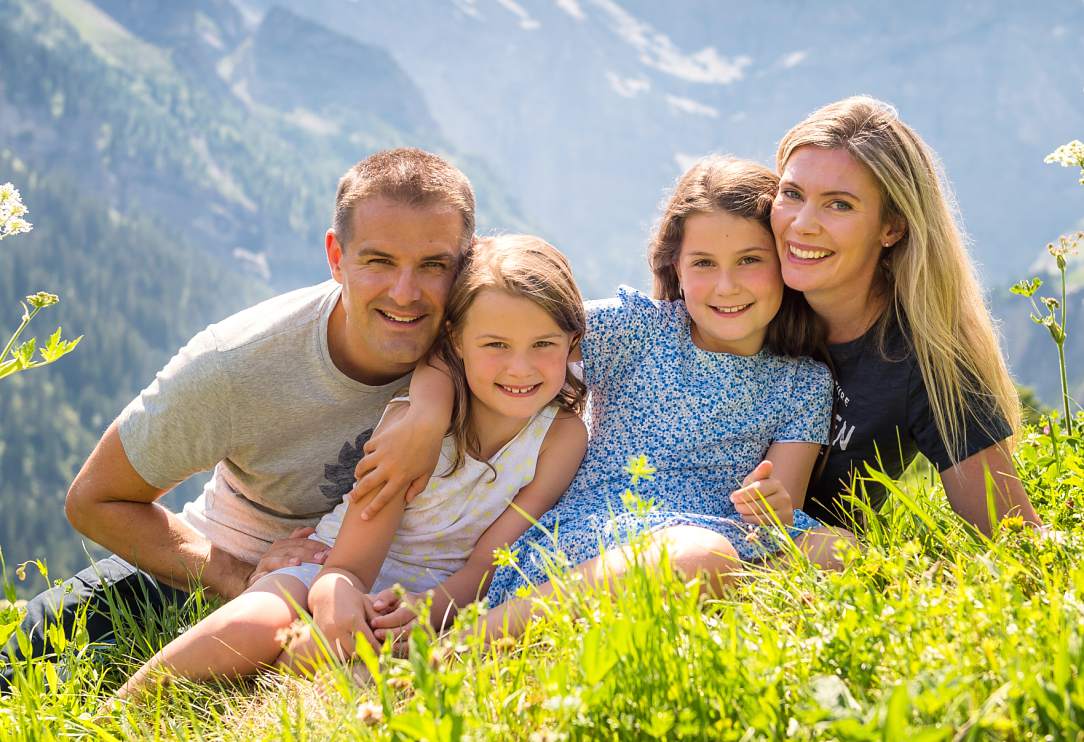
{"points": [[865, 229], [513, 316]]}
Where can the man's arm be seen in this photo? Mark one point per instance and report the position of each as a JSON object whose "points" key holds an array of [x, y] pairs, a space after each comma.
{"points": [[110, 503]]}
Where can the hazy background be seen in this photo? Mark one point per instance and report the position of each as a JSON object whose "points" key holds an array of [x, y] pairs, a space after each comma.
{"points": [[179, 158]]}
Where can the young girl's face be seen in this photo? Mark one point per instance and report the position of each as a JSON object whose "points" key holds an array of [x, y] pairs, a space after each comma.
{"points": [[514, 353], [729, 273]]}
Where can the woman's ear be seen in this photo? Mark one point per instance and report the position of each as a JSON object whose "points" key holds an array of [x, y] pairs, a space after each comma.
{"points": [[892, 231]]}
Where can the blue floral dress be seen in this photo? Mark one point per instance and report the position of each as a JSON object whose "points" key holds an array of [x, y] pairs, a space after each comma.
{"points": [[703, 420]]}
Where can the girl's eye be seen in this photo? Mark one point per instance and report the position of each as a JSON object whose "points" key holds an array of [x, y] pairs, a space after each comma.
{"points": [[748, 260], [702, 263], [544, 344], [495, 344]]}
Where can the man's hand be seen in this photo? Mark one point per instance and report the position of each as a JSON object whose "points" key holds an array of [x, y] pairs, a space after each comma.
{"points": [[399, 457], [395, 616], [762, 499], [290, 552]]}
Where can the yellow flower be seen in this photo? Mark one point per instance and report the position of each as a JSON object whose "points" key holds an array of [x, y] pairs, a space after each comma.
{"points": [[637, 468], [370, 713]]}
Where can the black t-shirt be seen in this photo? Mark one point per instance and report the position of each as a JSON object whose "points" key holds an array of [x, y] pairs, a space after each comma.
{"points": [[882, 416]]}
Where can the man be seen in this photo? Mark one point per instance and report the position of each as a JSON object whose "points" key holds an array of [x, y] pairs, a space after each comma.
{"points": [[278, 400]]}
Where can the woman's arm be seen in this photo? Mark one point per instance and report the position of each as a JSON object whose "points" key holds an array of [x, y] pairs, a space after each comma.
{"points": [[777, 485], [966, 488], [558, 460]]}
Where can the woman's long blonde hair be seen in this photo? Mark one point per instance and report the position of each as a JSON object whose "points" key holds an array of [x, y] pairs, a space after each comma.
{"points": [[518, 265], [935, 293]]}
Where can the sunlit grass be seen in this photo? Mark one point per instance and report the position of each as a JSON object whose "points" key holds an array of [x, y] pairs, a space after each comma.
{"points": [[930, 632]]}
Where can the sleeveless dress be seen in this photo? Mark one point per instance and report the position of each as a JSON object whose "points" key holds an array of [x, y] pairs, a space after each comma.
{"points": [[443, 523], [703, 420]]}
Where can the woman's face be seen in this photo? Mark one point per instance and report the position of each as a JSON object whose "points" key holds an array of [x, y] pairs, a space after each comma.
{"points": [[827, 223]]}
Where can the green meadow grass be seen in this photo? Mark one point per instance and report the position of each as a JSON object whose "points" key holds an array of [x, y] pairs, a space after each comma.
{"points": [[931, 632]]}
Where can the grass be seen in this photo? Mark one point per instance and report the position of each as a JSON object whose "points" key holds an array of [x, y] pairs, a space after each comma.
{"points": [[931, 632]]}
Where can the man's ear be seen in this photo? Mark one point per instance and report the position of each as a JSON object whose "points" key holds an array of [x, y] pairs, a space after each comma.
{"points": [[334, 254]]}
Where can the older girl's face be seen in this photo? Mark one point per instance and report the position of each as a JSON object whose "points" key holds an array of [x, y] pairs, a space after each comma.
{"points": [[729, 276], [827, 223]]}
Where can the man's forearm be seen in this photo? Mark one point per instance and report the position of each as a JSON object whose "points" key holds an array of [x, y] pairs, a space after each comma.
{"points": [[157, 541]]}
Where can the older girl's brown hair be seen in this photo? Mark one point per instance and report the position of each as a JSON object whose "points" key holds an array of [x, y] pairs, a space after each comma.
{"points": [[519, 265], [744, 189]]}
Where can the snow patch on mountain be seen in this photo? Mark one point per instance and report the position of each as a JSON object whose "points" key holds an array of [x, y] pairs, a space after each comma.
{"points": [[572, 7], [659, 52], [526, 22], [627, 87], [690, 106]]}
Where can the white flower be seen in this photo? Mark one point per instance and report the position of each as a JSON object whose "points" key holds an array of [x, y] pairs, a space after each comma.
{"points": [[11, 212]]}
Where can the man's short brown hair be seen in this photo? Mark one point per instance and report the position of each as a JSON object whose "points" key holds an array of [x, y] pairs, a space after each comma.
{"points": [[406, 175]]}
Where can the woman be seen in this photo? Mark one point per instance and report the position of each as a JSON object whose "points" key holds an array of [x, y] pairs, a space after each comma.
{"points": [[866, 231]]}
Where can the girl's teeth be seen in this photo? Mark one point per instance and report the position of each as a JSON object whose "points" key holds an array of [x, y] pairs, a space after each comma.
{"points": [[731, 310], [518, 389], [809, 254]]}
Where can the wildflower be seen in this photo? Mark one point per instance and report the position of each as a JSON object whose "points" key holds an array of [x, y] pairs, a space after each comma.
{"points": [[1069, 155], [503, 643], [20, 571], [290, 634], [370, 713], [42, 299], [11, 212], [1013, 523], [1026, 288], [637, 468], [399, 682], [505, 557]]}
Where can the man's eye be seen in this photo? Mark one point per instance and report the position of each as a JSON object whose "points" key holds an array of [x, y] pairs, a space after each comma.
{"points": [[435, 265], [378, 261]]}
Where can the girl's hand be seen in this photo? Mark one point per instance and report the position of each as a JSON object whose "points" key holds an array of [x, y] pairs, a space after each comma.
{"points": [[400, 456], [341, 611], [762, 499], [395, 616]]}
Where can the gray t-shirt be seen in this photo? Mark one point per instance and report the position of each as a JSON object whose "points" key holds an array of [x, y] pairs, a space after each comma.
{"points": [[257, 399]]}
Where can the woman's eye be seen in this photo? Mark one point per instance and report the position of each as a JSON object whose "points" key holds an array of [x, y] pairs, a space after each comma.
{"points": [[790, 193], [840, 206]]}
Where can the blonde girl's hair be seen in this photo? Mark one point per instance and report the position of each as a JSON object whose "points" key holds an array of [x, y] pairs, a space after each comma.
{"points": [[744, 189], [518, 265], [928, 274]]}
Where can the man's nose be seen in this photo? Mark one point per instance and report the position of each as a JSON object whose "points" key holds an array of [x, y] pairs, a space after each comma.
{"points": [[404, 290]]}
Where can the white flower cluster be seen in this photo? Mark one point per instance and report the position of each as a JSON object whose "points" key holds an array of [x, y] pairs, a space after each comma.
{"points": [[1069, 155], [11, 212]]}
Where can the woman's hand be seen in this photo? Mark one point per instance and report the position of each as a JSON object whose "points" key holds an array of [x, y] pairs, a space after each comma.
{"points": [[400, 456], [762, 499]]}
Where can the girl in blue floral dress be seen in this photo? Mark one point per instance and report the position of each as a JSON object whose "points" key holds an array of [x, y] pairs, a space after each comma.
{"points": [[708, 381]]}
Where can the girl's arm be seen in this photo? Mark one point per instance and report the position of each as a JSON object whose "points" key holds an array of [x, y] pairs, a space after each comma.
{"points": [[402, 454], [558, 460], [777, 485], [338, 597], [966, 488]]}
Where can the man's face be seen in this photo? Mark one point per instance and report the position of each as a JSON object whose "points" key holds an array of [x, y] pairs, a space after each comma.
{"points": [[395, 275]]}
